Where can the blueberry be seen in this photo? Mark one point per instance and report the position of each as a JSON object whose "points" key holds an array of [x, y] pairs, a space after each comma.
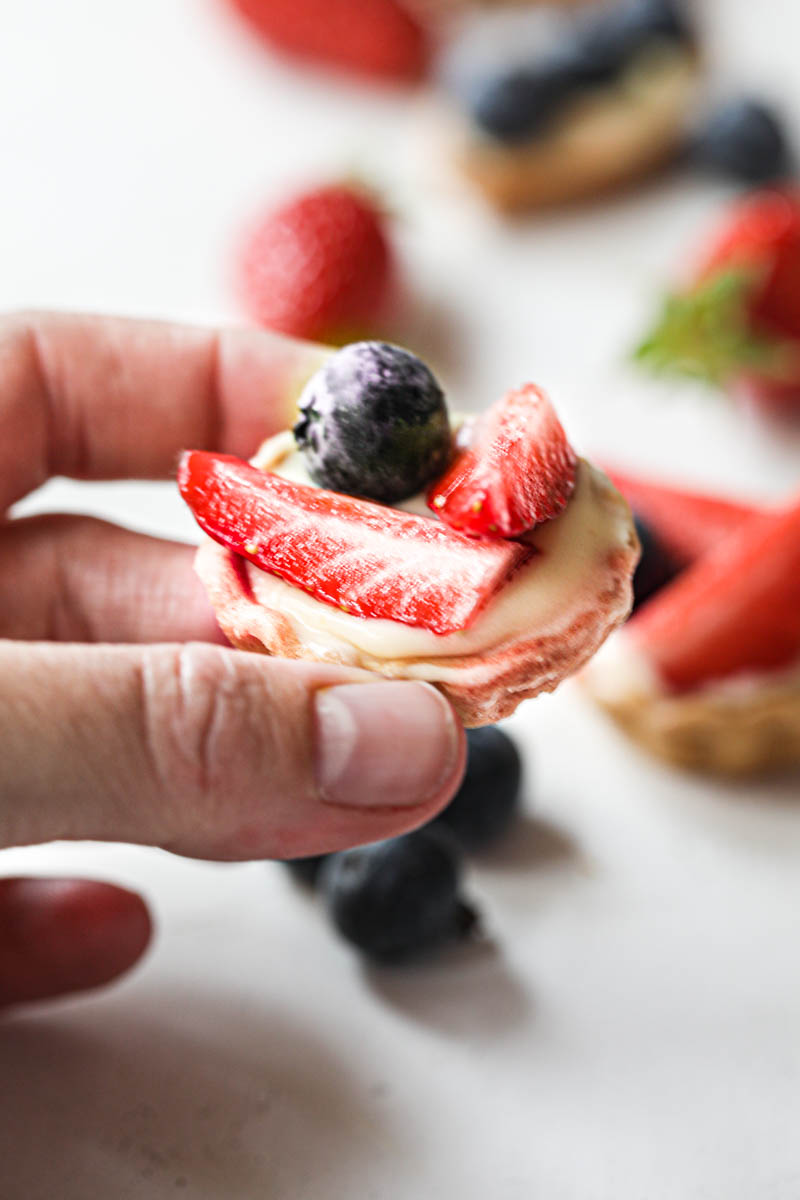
{"points": [[306, 870], [656, 566], [374, 423], [398, 899], [745, 139], [488, 799], [518, 103]]}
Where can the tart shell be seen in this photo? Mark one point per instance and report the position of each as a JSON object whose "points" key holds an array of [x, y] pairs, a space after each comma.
{"points": [[742, 731]]}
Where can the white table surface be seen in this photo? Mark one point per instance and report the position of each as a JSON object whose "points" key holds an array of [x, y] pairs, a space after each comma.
{"points": [[631, 1029]]}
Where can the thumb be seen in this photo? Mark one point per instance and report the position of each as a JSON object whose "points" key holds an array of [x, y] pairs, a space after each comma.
{"points": [[215, 753]]}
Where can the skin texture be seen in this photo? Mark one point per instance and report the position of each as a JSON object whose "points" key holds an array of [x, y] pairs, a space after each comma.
{"points": [[123, 716]]}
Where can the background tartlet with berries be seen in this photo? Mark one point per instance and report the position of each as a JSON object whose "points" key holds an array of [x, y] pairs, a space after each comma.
{"points": [[706, 674]]}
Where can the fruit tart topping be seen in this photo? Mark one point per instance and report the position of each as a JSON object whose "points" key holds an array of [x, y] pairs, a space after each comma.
{"points": [[687, 524], [607, 42], [518, 471], [367, 559], [745, 139], [320, 266], [373, 422], [520, 99], [737, 609], [517, 103], [398, 899], [741, 314]]}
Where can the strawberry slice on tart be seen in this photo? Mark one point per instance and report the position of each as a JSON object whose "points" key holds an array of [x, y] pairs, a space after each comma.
{"points": [[687, 523], [518, 471], [323, 548], [366, 559], [736, 610], [707, 673]]}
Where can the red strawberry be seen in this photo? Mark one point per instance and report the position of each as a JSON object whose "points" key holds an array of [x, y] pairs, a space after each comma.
{"points": [[736, 609], [319, 266], [367, 559], [738, 323], [687, 524], [518, 471], [377, 38]]}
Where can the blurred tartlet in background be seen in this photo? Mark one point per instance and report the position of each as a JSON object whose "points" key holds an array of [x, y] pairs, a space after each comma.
{"points": [[706, 674], [549, 108]]}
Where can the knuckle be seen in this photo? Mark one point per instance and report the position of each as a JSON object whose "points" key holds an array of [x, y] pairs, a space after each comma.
{"points": [[202, 718]]}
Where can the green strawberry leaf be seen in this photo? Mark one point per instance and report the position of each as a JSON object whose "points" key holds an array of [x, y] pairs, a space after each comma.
{"points": [[707, 334]]}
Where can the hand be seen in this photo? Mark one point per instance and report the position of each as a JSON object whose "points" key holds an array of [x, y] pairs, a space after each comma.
{"points": [[122, 717]]}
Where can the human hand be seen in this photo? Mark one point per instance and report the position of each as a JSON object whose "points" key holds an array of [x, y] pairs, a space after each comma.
{"points": [[122, 717]]}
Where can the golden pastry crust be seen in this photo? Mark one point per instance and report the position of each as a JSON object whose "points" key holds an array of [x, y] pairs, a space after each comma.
{"points": [[603, 142], [482, 687], [723, 731]]}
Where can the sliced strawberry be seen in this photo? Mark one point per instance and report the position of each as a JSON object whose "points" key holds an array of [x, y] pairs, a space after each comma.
{"points": [[518, 471], [736, 609], [370, 560], [687, 523]]}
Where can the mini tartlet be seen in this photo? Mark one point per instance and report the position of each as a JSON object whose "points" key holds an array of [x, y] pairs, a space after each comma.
{"points": [[707, 673], [610, 101], [569, 588]]}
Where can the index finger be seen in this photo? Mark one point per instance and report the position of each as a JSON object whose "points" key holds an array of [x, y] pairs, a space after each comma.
{"points": [[106, 397]]}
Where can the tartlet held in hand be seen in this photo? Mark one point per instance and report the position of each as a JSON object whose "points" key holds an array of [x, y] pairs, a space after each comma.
{"points": [[522, 577]]}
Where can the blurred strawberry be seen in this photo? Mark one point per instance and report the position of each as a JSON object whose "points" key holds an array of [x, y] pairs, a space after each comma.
{"points": [[320, 266], [738, 323], [377, 38]]}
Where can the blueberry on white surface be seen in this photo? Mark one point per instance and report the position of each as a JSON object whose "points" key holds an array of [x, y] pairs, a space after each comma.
{"points": [[656, 566], [373, 422], [744, 139], [398, 899], [306, 870], [488, 799]]}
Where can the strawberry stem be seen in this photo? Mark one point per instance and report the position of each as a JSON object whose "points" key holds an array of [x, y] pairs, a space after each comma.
{"points": [[707, 334]]}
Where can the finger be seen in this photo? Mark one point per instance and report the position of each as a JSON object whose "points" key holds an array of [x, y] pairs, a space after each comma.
{"points": [[74, 579], [214, 752], [103, 397], [59, 935]]}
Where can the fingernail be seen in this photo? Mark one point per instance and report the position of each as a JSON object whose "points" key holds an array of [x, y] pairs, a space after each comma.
{"points": [[392, 744]]}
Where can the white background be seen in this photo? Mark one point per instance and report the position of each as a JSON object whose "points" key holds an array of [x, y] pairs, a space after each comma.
{"points": [[631, 1028]]}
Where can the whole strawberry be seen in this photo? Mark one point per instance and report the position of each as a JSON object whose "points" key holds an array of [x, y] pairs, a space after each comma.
{"points": [[377, 38], [320, 266], [737, 324]]}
